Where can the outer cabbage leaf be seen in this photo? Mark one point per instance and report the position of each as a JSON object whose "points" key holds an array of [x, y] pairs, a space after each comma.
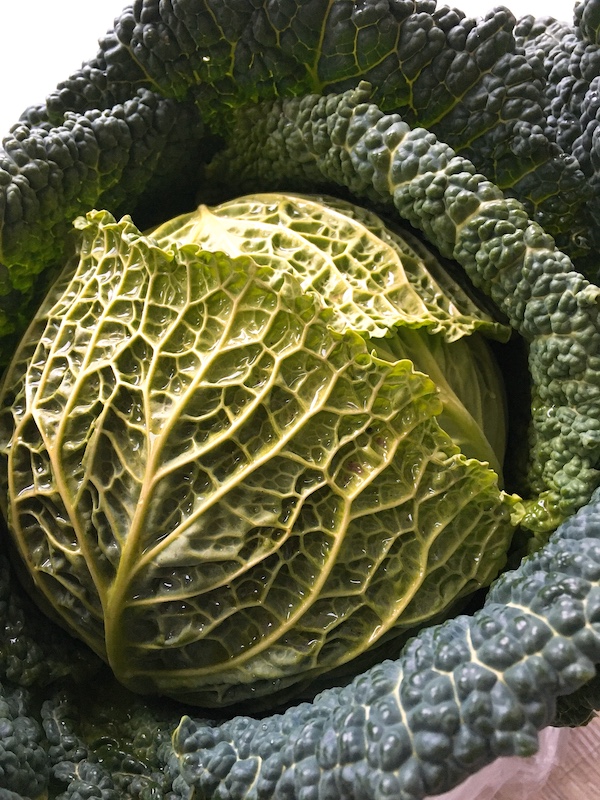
{"points": [[219, 492]]}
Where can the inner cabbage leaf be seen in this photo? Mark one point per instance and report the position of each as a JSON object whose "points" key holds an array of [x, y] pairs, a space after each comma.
{"points": [[219, 483], [385, 285]]}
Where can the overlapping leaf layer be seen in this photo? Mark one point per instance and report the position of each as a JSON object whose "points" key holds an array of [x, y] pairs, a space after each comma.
{"points": [[216, 482]]}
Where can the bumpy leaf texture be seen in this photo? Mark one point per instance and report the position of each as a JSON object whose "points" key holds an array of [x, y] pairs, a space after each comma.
{"points": [[532, 99], [466, 79], [213, 479], [135, 122], [349, 140], [119, 128], [460, 695], [385, 285]]}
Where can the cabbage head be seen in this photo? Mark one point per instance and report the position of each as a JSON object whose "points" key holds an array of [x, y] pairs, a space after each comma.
{"points": [[245, 448]]}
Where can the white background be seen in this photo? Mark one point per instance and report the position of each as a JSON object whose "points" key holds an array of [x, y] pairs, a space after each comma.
{"points": [[43, 41]]}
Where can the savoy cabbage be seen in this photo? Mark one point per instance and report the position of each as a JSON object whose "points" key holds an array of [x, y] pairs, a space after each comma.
{"points": [[229, 475], [210, 97]]}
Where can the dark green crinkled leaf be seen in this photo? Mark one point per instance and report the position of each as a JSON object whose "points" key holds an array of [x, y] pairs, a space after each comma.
{"points": [[24, 767]]}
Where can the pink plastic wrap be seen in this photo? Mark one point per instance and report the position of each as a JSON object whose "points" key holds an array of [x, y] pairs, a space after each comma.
{"points": [[517, 778]]}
